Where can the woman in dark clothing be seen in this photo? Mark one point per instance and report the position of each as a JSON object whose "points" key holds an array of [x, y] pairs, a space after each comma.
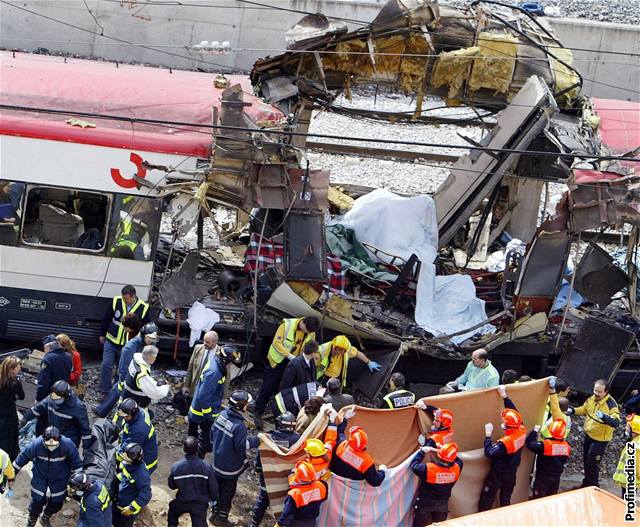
{"points": [[10, 391]]}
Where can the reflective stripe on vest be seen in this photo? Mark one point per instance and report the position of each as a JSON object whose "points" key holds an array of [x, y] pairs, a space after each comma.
{"points": [[119, 312], [303, 496], [514, 439], [325, 360], [103, 498], [361, 461], [394, 401], [556, 448], [442, 436], [620, 475], [439, 475], [289, 343], [132, 383]]}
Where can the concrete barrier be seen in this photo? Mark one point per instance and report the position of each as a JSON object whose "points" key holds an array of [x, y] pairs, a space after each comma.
{"points": [[166, 30]]}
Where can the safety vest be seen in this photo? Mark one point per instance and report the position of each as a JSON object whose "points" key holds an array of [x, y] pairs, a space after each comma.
{"points": [[116, 332], [4, 463], [442, 436], [399, 398], [132, 383], [303, 496], [556, 448], [292, 399], [103, 498], [439, 475], [620, 476], [127, 237], [514, 439], [325, 359], [361, 461], [289, 342]]}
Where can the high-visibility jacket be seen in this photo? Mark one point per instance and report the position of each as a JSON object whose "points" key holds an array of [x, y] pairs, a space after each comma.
{"points": [[116, 332], [552, 456], [622, 470], [6, 469], [141, 430], [292, 399], [398, 399], [302, 504], [288, 340], [436, 481], [326, 358], [134, 487], [600, 429], [351, 464], [440, 437], [321, 463], [137, 370], [514, 439], [506, 453], [95, 507], [207, 401], [551, 413]]}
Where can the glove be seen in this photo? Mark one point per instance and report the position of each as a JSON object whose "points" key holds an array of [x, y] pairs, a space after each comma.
{"points": [[125, 511], [348, 414], [373, 366], [599, 415], [452, 384], [570, 410], [9, 494], [422, 440], [421, 405], [502, 390], [488, 430], [536, 429], [382, 467], [552, 382]]}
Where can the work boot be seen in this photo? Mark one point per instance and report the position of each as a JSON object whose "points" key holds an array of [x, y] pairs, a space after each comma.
{"points": [[222, 520], [33, 519], [45, 520]]}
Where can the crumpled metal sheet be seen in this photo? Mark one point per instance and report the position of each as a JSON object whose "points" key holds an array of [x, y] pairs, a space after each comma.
{"points": [[597, 277], [181, 288]]}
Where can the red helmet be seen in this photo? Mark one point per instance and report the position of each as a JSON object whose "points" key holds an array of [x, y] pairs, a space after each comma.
{"points": [[448, 452], [511, 418], [357, 438], [303, 473], [444, 416], [558, 428]]}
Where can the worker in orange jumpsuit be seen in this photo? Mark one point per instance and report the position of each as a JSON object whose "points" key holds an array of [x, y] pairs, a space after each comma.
{"points": [[552, 455], [302, 504], [441, 431], [352, 461]]}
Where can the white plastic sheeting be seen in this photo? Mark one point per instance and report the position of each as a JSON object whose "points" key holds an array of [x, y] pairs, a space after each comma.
{"points": [[200, 319], [405, 226]]}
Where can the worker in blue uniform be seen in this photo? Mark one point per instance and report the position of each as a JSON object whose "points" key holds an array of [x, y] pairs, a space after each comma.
{"points": [[94, 500], [138, 428], [196, 484], [65, 411], [207, 400], [133, 486], [56, 366], [54, 458]]}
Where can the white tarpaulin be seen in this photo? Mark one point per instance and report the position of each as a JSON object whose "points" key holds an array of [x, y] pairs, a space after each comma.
{"points": [[405, 226]]}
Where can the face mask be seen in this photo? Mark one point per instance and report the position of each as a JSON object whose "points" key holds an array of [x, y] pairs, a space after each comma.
{"points": [[51, 448]]}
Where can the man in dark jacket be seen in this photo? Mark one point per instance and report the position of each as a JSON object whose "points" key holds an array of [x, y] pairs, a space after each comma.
{"points": [[138, 428], [301, 369], [552, 454], [398, 396], [229, 437], [62, 409], [352, 461], [94, 499], [196, 484], [133, 486], [335, 396], [56, 366]]}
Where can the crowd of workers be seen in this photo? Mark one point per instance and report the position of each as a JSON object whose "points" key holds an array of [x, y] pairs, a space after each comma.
{"points": [[301, 378]]}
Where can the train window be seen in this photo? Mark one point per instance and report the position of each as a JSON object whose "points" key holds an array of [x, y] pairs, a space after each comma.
{"points": [[134, 226], [65, 218], [11, 193]]}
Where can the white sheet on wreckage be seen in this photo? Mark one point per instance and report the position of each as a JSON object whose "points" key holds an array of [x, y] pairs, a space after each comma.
{"points": [[404, 226]]}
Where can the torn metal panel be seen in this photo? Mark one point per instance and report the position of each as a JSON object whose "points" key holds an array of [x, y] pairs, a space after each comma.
{"points": [[182, 288], [304, 247], [597, 278], [474, 176], [371, 384]]}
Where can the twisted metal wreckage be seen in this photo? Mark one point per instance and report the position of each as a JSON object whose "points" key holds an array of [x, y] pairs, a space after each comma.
{"points": [[498, 60]]}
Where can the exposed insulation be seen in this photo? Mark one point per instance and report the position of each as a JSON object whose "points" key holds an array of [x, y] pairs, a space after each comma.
{"points": [[452, 69], [565, 78], [489, 71], [339, 199]]}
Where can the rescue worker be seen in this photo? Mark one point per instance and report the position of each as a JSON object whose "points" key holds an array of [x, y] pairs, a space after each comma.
{"points": [[133, 486], [94, 499], [441, 430], [196, 484], [63, 410], [556, 407], [7, 475], [284, 436], [293, 399], [437, 478], [290, 338], [623, 470], [113, 333], [334, 359], [552, 454], [56, 366], [229, 434], [319, 453], [139, 429], [302, 505], [504, 455], [139, 384], [54, 457], [479, 373], [602, 418], [301, 369], [207, 401], [353, 462], [148, 336], [398, 396]]}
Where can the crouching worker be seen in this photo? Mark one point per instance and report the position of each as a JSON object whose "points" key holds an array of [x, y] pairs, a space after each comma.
{"points": [[134, 486], [351, 460], [94, 499], [504, 456], [54, 457], [437, 478], [302, 504], [552, 456], [197, 486]]}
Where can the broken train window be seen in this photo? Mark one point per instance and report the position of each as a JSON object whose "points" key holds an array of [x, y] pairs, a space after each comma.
{"points": [[134, 227]]}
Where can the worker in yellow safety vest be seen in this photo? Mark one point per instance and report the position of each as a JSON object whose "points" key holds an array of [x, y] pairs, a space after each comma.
{"points": [[334, 359], [629, 461], [290, 338], [7, 474]]}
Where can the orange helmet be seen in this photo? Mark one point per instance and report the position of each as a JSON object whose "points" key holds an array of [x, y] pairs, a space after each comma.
{"points": [[558, 428], [444, 416], [357, 438], [303, 474], [448, 452], [511, 418]]}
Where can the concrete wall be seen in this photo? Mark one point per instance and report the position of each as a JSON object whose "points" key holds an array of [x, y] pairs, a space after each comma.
{"points": [[170, 28]]}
